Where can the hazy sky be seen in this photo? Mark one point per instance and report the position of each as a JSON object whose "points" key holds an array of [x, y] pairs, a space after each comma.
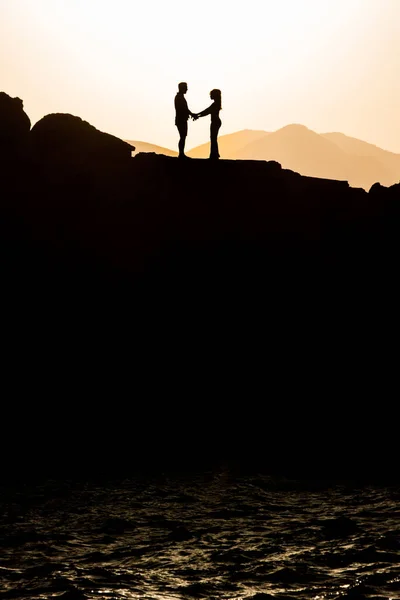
{"points": [[332, 65]]}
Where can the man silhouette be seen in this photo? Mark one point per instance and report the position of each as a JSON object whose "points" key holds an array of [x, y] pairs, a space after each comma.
{"points": [[181, 117]]}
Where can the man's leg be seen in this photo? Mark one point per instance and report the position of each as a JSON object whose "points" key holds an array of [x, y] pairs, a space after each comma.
{"points": [[182, 128], [181, 144]]}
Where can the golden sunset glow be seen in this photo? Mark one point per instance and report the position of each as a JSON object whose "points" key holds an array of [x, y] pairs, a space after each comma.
{"points": [[329, 65]]}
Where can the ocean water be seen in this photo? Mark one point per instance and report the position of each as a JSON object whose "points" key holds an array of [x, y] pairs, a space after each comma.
{"points": [[214, 534]]}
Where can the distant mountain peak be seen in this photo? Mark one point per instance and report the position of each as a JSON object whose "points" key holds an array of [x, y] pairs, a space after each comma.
{"points": [[296, 129]]}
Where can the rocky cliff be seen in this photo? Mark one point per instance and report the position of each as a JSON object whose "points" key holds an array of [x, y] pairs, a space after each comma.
{"points": [[163, 310]]}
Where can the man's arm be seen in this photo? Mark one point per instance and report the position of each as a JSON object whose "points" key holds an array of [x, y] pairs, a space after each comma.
{"points": [[188, 112], [181, 107]]}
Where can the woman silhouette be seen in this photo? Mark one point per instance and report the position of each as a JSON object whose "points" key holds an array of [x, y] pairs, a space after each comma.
{"points": [[213, 110]]}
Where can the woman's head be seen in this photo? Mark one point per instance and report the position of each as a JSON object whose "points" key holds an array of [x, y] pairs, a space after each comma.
{"points": [[215, 95]]}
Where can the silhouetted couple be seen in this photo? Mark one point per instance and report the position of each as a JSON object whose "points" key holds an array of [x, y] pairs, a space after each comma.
{"points": [[183, 113]]}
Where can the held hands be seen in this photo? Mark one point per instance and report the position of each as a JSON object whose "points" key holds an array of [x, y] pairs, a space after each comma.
{"points": [[194, 116]]}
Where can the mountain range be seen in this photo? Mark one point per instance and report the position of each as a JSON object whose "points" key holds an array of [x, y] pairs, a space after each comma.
{"points": [[327, 155], [146, 147]]}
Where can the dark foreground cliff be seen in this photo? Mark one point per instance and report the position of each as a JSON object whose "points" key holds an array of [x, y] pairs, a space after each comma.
{"points": [[160, 312]]}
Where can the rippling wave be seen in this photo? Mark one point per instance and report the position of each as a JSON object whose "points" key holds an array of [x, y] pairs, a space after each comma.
{"points": [[213, 535]]}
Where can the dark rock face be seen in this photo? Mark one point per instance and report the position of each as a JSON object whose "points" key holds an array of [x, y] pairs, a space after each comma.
{"points": [[249, 303], [380, 190], [14, 125], [64, 138]]}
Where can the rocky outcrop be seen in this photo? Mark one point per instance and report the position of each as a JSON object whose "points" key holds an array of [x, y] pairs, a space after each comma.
{"points": [[63, 138], [185, 274], [14, 126], [380, 190]]}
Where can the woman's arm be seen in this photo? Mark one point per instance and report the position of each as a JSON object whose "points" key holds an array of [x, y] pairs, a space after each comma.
{"points": [[207, 111]]}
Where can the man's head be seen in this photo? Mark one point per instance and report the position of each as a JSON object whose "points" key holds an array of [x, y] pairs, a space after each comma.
{"points": [[182, 87]]}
